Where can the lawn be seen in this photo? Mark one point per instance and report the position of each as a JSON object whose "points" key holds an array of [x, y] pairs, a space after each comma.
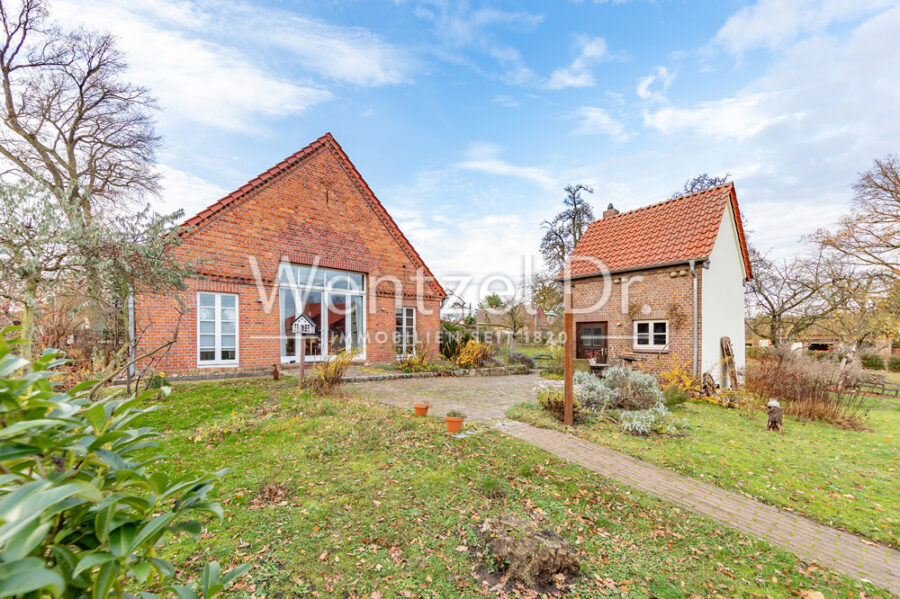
{"points": [[845, 479], [336, 497]]}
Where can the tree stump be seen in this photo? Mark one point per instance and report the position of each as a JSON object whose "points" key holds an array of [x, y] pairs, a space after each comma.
{"points": [[775, 416], [534, 557]]}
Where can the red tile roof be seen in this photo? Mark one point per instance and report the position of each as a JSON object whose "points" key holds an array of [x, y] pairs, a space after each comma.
{"points": [[674, 231], [288, 163]]}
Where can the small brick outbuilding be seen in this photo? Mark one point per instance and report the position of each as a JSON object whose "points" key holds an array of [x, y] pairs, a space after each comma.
{"points": [[307, 240], [661, 285]]}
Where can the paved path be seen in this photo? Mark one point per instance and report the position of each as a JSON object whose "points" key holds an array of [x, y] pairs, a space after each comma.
{"points": [[486, 399]]}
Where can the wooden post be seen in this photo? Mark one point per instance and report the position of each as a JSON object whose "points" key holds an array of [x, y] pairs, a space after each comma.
{"points": [[569, 356]]}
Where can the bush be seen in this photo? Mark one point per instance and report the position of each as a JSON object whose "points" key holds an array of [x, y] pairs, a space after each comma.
{"points": [[872, 361], [593, 395], [809, 388], [555, 362], [551, 396], [674, 395], [474, 354], [82, 511], [456, 414], [632, 389], [894, 364], [329, 375], [516, 357], [453, 339], [657, 419]]}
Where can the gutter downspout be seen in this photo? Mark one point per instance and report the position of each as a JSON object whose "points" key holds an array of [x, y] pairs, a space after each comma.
{"points": [[693, 265]]}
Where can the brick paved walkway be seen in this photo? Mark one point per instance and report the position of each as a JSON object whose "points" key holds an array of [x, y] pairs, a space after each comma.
{"points": [[487, 399]]}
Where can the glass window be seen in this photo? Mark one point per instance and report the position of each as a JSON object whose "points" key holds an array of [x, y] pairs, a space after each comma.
{"points": [[405, 331], [217, 328], [651, 334], [334, 300]]}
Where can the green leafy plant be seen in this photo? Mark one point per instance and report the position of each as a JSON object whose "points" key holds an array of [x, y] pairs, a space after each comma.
{"points": [[674, 394], [456, 414], [894, 364], [551, 396], [81, 510]]}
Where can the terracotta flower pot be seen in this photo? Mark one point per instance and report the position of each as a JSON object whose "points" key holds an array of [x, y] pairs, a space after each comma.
{"points": [[421, 409], [454, 424]]}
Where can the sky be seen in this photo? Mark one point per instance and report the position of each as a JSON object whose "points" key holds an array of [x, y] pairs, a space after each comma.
{"points": [[467, 119]]}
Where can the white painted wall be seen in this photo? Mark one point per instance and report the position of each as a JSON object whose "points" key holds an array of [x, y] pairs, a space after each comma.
{"points": [[722, 302]]}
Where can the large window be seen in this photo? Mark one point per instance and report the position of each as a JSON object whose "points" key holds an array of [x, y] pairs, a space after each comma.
{"points": [[217, 329], [333, 299], [405, 332], [651, 334]]}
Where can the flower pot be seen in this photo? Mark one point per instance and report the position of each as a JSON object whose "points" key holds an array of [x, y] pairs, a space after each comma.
{"points": [[421, 409], [454, 424]]}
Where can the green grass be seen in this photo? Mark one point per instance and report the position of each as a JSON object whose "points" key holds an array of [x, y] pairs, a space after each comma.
{"points": [[368, 499], [845, 479]]}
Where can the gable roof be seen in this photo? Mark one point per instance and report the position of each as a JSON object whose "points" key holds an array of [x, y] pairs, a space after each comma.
{"points": [[327, 141], [670, 232]]}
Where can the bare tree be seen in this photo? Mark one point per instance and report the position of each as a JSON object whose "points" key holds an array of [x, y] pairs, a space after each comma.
{"points": [[699, 183], [786, 297], [561, 234], [870, 234], [861, 306], [546, 291], [69, 121], [517, 317]]}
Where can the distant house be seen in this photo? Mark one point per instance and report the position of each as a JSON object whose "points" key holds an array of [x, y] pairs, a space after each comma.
{"points": [[306, 244], [662, 285]]}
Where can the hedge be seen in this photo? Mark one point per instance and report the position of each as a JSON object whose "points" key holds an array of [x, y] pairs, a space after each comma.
{"points": [[873, 361]]}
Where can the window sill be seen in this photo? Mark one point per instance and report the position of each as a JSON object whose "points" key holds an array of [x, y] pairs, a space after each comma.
{"points": [[234, 364], [651, 350]]}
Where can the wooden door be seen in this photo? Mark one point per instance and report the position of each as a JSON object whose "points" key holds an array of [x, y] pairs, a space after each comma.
{"points": [[591, 341]]}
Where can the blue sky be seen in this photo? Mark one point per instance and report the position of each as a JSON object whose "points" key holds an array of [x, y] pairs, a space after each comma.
{"points": [[468, 118]]}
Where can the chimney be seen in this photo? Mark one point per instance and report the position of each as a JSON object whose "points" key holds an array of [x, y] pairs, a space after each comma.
{"points": [[610, 211]]}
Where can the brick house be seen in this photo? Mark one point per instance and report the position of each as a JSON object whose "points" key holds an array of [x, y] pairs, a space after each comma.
{"points": [[661, 285], [305, 241]]}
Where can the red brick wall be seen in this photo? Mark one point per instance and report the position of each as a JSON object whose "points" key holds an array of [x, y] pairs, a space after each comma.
{"points": [[317, 208], [652, 292]]}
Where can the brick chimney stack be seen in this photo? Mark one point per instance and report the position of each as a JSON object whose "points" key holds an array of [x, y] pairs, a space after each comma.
{"points": [[610, 211]]}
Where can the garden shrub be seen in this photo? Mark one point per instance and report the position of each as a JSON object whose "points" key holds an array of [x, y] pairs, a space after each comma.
{"points": [[82, 511], [872, 361], [453, 339], [632, 389], [894, 364], [551, 396], [516, 357], [556, 359], [592, 393], [328, 376], [674, 395], [809, 388], [657, 419], [474, 354]]}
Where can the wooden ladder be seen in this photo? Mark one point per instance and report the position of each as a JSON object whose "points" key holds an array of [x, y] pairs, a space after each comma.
{"points": [[730, 368]]}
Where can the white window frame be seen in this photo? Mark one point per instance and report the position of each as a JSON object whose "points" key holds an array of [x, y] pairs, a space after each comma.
{"points": [[403, 351], [297, 283], [650, 345], [218, 363]]}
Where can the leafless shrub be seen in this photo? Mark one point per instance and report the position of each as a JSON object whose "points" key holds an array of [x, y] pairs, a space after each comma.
{"points": [[809, 388]]}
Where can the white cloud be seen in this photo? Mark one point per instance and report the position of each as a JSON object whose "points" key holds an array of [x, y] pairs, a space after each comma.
{"points": [[735, 117], [184, 191], [507, 101], [485, 158], [460, 29], [208, 63], [660, 74], [773, 23], [592, 51], [596, 121]]}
